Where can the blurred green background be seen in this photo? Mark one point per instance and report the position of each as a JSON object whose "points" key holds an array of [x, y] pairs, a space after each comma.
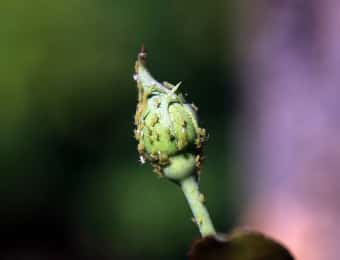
{"points": [[70, 181]]}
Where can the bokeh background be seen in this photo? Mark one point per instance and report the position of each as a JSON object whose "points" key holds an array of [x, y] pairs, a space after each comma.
{"points": [[264, 75]]}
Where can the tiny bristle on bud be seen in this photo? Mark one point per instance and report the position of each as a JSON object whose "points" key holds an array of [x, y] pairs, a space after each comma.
{"points": [[142, 55], [142, 48]]}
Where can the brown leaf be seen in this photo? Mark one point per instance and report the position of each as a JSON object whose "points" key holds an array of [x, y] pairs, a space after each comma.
{"points": [[240, 245]]}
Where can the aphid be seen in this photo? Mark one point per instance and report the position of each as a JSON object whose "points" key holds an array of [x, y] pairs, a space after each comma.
{"points": [[182, 122], [157, 102], [197, 158], [194, 107], [202, 197], [181, 143], [141, 125], [136, 133], [153, 155], [163, 159], [154, 121], [141, 159], [141, 147], [150, 132], [157, 169], [202, 132]]}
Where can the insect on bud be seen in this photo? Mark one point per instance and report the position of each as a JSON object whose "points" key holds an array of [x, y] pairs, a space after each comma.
{"points": [[167, 129]]}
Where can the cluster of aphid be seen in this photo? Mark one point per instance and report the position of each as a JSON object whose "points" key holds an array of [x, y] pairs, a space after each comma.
{"points": [[166, 125]]}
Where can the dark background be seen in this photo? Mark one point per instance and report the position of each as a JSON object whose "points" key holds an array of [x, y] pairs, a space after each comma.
{"points": [[70, 181]]}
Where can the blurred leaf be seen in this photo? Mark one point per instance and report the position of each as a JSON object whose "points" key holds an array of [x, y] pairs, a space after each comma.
{"points": [[240, 245]]}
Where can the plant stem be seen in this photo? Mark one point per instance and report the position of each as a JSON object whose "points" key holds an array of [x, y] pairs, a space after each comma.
{"points": [[195, 199]]}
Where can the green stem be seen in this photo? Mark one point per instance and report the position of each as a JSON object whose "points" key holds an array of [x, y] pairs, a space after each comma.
{"points": [[195, 199]]}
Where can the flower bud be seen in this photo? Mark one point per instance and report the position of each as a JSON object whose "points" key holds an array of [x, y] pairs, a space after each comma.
{"points": [[167, 130]]}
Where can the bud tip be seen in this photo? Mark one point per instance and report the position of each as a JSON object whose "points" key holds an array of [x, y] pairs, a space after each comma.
{"points": [[142, 54]]}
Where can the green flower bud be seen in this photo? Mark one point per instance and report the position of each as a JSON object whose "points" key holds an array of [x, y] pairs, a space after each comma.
{"points": [[167, 130]]}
